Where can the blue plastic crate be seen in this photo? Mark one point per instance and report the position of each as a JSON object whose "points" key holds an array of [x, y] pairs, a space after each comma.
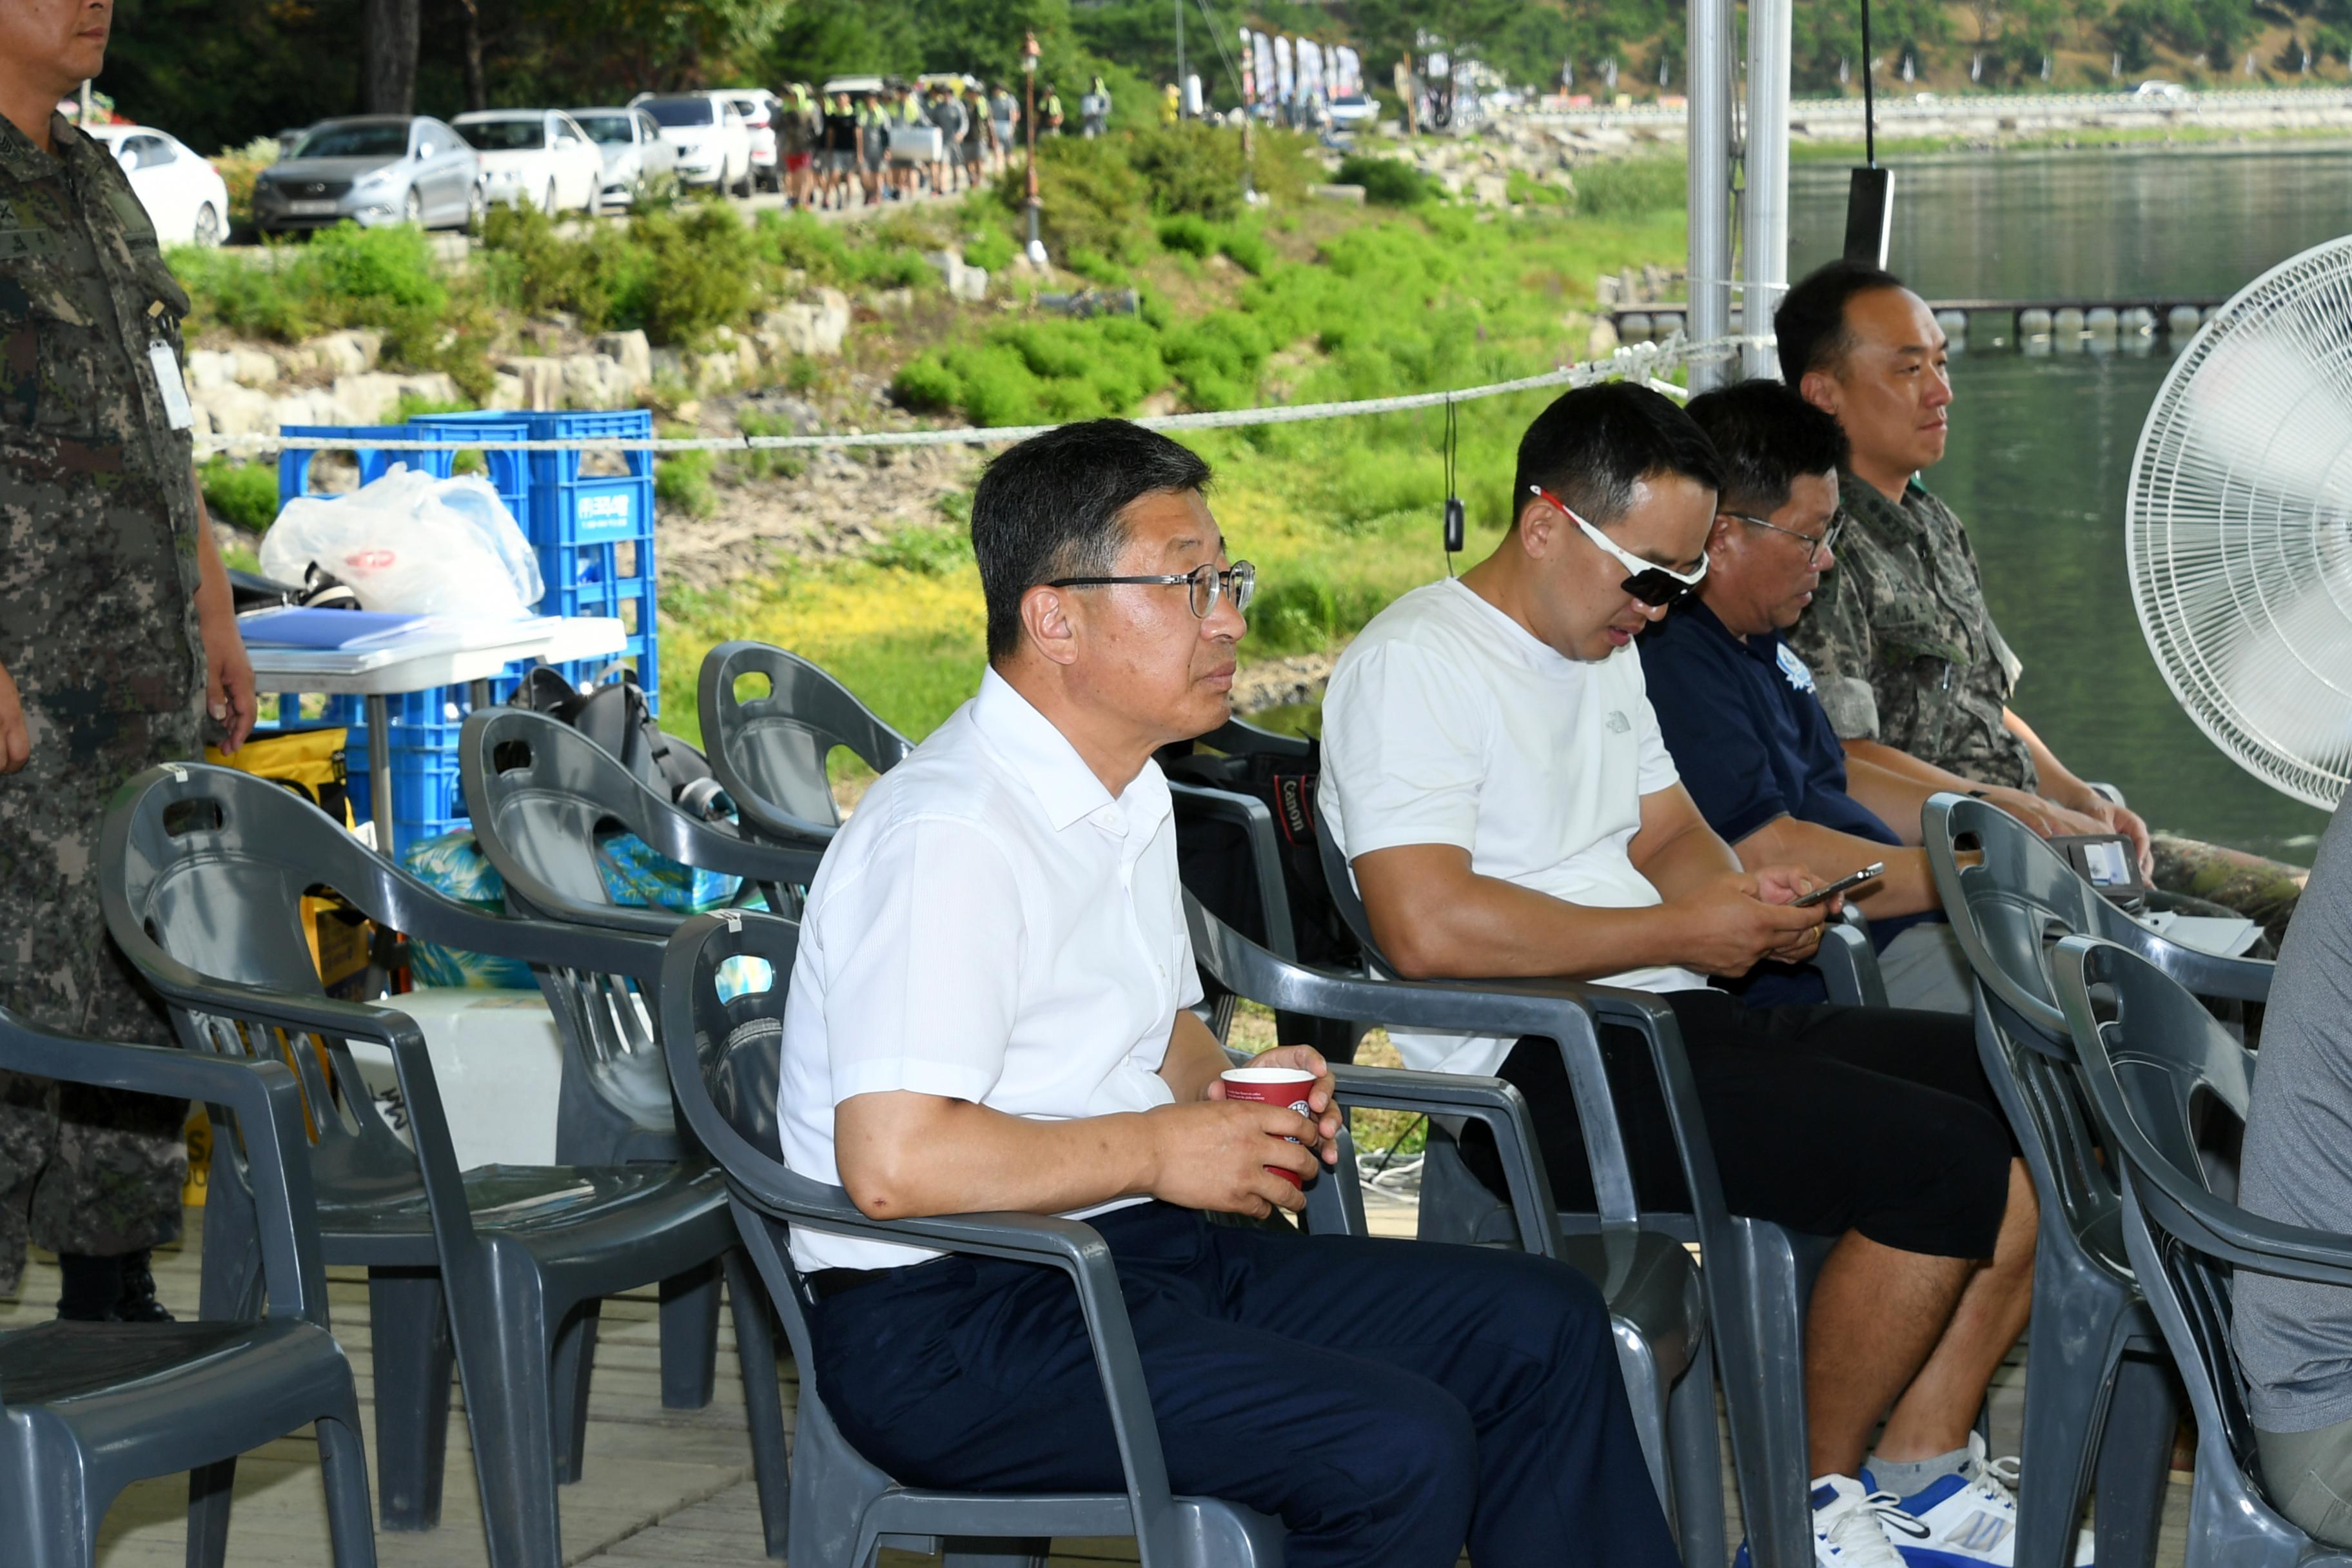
{"points": [[427, 796], [567, 506], [507, 473], [294, 466], [593, 533]]}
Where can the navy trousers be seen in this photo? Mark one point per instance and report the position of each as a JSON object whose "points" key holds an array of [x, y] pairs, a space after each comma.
{"points": [[1391, 1401]]}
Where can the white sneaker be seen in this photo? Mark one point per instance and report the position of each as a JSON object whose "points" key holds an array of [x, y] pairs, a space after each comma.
{"points": [[1968, 1520], [1850, 1529]]}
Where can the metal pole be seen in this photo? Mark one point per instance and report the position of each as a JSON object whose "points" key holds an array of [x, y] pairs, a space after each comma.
{"points": [[1708, 266], [1764, 269], [1179, 60], [1029, 120]]}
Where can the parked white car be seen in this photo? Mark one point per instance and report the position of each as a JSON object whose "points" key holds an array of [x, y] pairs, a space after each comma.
{"points": [[713, 144], [535, 157], [760, 109], [634, 150], [185, 197]]}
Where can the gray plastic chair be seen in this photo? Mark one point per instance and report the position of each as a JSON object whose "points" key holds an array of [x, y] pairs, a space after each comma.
{"points": [[723, 1057], [1657, 1309], [500, 1268], [768, 748], [2152, 1059], [539, 793], [1757, 1277], [85, 1409], [2094, 1399]]}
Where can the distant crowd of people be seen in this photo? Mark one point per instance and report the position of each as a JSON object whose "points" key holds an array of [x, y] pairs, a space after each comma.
{"points": [[838, 150]]}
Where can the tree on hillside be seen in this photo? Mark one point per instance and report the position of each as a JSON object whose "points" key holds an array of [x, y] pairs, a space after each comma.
{"points": [[388, 43]]}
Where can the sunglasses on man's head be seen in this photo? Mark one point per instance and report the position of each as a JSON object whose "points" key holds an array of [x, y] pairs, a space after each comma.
{"points": [[1655, 586]]}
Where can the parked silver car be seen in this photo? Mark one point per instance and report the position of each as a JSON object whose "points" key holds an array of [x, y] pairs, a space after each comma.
{"points": [[372, 170], [634, 151]]}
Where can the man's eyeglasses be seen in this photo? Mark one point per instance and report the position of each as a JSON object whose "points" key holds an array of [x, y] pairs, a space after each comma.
{"points": [[1655, 586], [1815, 544], [1208, 584]]}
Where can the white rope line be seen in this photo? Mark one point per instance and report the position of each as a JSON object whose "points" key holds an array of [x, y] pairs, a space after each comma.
{"points": [[1637, 362]]}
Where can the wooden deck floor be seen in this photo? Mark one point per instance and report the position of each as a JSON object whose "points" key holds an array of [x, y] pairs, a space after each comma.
{"points": [[660, 1486]]}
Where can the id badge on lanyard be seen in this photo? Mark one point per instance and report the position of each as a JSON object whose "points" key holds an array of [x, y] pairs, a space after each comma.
{"points": [[171, 384]]}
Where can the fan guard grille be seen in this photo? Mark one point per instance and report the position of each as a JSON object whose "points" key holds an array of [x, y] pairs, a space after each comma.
{"points": [[2238, 527]]}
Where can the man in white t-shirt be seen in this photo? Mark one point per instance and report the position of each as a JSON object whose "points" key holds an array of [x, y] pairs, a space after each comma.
{"points": [[990, 1011], [1494, 772]]}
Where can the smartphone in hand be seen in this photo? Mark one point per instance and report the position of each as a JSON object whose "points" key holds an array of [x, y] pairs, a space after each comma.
{"points": [[1869, 873]]}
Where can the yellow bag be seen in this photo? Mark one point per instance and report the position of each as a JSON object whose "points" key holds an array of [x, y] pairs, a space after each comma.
{"points": [[307, 761]]}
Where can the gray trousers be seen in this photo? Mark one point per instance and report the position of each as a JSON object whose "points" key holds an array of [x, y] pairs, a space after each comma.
{"points": [[2308, 1476]]}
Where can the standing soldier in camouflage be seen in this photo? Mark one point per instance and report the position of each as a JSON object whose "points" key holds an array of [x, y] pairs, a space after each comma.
{"points": [[1913, 674], [117, 636]]}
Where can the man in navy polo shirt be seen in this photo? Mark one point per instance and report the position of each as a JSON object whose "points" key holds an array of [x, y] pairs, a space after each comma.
{"points": [[1744, 724]]}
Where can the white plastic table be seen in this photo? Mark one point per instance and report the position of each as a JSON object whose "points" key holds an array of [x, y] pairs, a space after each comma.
{"points": [[446, 654]]}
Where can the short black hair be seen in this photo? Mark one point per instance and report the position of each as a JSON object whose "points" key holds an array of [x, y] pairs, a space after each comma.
{"points": [[1810, 322], [1767, 436], [1594, 444], [1049, 508]]}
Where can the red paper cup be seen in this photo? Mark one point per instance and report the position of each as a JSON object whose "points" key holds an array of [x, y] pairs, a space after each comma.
{"points": [[1273, 1086]]}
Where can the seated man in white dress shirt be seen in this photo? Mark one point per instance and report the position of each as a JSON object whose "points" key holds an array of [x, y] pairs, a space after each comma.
{"points": [[990, 1012]]}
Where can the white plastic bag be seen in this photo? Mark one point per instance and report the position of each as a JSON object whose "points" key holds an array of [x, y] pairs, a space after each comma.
{"points": [[412, 542]]}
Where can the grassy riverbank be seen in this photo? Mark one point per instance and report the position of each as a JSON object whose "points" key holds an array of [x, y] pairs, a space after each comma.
{"points": [[1341, 516], [1238, 305]]}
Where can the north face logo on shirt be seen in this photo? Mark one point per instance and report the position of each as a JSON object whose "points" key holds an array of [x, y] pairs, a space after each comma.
{"points": [[1617, 724]]}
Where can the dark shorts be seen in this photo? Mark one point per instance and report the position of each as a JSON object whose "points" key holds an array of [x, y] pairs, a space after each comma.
{"points": [[1825, 1119]]}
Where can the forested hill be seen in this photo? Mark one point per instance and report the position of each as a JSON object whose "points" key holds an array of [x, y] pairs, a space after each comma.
{"points": [[221, 72]]}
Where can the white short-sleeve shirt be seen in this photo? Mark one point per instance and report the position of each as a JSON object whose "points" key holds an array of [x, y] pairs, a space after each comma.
{"points": [[1446, 722], [991, 925]]}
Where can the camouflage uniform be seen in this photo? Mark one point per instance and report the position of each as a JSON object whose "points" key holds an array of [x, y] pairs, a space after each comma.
{"points": [[1905, 653], [98, 627], [1900, 645]]}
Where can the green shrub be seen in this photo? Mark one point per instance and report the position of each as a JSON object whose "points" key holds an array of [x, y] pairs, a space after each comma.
{"points": [[766, 462], [1095, 267], [389, 269], [252, 296], [1300, 610], [244, 495], [1630, 187], [602, 278], [1189, 233], [682, 479], [1092, 197], [926, 385], [886, 259], [1249, 250], [935, 552], [1389, 182], [1284, 164], [991, 248], [1519, 186], [1190, 167], [702, 266]]}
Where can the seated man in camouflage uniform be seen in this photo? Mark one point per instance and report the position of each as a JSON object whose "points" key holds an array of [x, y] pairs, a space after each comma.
{"points": [[1913, 674]]}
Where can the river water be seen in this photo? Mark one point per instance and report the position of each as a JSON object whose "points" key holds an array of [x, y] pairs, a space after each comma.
{"points": [[2041, 444]]}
